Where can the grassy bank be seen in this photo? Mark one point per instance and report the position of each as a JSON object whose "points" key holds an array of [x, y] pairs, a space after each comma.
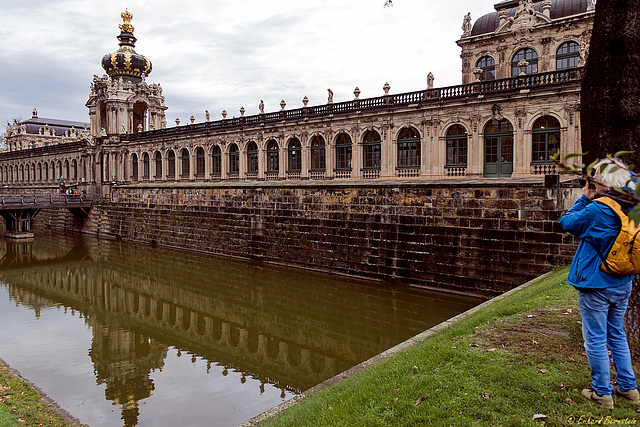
{"points": [[21, 405], [518, 359]]}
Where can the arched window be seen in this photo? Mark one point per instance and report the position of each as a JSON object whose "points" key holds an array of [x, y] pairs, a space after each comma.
{"points": [[40, 172], [273, 156], [318, 160], [408, 148], [158, 161], [22, 173], [171, 164], [252, 157], [146, 169], [294, 155], [67, 174], [186, 163], [200, 162], [343, 152], [372, 149], [457, 146], [134, 167], [234, 159], [74, 170], [488, 66], [216, 161], [545, 138], [567, 56], [528, 55]]}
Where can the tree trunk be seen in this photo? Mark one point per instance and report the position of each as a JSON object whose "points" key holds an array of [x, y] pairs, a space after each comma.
{"points": [[610, 107]]}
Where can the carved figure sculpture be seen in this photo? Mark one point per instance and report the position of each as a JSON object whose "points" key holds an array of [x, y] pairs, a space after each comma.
{"points": [[466, 24], [261, 106], [330, 98]]}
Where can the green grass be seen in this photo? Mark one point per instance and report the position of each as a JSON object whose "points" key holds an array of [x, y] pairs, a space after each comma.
{"points": [[21, 405], [517, 357]]}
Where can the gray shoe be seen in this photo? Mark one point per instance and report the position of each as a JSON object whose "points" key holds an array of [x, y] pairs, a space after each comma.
{"points": [[605, 400], [631, 395]]}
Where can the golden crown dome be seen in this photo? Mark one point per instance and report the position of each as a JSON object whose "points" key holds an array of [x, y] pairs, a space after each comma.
{"points": [[125, 62]]}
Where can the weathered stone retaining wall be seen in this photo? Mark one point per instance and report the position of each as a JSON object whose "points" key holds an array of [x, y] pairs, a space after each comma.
{"points": [[463, 237]]}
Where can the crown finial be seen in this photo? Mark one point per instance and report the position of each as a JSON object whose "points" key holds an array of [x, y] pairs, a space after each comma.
{"points": [[126, 18]]}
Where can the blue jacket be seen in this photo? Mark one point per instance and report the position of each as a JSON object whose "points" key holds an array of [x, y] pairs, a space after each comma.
{"points": [[594, 224]]}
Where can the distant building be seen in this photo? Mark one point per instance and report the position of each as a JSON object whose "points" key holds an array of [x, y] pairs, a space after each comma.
{"points": [[517, 105]]}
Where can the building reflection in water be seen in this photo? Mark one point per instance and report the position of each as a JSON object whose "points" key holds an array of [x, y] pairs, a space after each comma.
{"points": [[289, 328]]}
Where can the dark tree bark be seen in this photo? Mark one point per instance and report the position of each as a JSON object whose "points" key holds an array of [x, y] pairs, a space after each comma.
{"points": [[610, 101]]}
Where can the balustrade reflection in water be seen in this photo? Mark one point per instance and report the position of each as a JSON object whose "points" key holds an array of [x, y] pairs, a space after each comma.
{"points": [[276, 328]]}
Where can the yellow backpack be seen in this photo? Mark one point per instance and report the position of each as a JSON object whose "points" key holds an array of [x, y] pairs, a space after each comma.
{"points": [[624, 256]]}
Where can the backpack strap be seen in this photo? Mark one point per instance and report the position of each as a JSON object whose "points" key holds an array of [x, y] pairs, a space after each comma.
{"points": [[615, 207]]}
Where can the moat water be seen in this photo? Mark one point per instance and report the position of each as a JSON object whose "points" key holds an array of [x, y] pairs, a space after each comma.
{"points": [[125, 334]]}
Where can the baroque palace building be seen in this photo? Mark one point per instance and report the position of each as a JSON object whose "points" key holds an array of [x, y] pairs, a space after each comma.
{"points": [[518, 104]]}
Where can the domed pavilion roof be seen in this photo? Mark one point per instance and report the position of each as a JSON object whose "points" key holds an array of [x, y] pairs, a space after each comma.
{"points": [[559, 9], [125, 62]]}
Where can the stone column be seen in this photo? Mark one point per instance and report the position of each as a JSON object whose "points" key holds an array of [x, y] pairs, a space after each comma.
{"points": [[305, 164]]}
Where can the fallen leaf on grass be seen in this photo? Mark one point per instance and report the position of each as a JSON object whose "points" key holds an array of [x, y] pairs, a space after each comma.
{"points": [[539, 416], [3, 388], [485, 395], [415, 367], [562, 387], [421, 399], [530, 316], [394, 399], [395, 389], [329, 407], [570, 402], [544, 371]]}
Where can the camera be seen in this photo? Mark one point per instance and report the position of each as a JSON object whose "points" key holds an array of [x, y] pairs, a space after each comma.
{"points": [[583, 181]]}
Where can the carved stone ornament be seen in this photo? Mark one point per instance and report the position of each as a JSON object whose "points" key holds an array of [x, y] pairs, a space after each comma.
{"points": [[356, 92], [283, 104], [520, 114], [178, 121], [496, 112], [386, 88], [525, 18], [466, 25], [305, 101], [478, 73], [523, 64]]}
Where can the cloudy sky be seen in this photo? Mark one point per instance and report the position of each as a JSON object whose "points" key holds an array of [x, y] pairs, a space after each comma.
{"points": [[223, 54]]}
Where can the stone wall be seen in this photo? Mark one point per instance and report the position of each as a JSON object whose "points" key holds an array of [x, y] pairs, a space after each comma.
{"points": [[475, 238]]}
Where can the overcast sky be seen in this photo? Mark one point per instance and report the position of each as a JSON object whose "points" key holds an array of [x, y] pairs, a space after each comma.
{"points": [[223, 54]]}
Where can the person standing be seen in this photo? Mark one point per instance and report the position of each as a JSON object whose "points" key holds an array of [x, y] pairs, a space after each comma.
{"points": [[603, 297]]}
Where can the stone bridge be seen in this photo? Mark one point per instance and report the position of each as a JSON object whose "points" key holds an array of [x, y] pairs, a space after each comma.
{"points": [[18, 210]]}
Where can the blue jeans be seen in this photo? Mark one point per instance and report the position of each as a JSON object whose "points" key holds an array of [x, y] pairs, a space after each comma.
{"points": [[602, 312]]}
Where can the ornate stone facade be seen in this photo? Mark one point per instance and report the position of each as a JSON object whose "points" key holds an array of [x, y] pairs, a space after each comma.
{"points": [[518, 104]]}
